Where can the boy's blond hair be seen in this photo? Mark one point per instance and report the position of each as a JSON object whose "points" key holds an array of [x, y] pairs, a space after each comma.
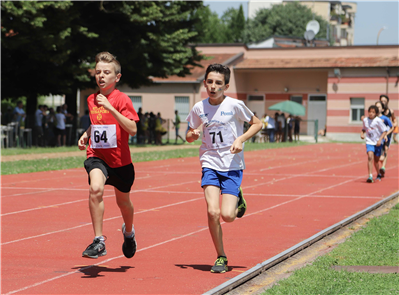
{"points": [[109, 58]]}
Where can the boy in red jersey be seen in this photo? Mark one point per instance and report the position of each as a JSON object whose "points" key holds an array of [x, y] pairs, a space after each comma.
{"points": [[113, 119]]}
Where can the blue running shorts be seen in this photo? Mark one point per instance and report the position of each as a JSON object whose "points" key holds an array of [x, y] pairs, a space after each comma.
{"points": [[375, 149], [229, 182]]}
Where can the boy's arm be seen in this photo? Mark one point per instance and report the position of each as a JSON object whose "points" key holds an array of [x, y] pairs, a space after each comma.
{"points": [[256, 126], [84, 138], [381, 137], [128, 125], [362, 134]]}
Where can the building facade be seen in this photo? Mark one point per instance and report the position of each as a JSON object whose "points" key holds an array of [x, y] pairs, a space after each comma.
{"points": [[335, 84]]}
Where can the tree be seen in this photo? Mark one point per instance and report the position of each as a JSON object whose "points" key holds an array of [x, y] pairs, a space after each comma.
{"points": [[49, 47], [287, 19], [227, 29]]}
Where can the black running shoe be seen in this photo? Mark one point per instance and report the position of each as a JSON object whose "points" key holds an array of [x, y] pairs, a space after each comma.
{"points": [[129, 245], [220, 265], [370, 179], [242, 204], [95, 249], [378, 177], [382, 172]]}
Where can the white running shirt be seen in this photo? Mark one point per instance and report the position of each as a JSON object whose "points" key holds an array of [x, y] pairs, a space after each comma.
{"points": [[221, 125], [374, 128]]}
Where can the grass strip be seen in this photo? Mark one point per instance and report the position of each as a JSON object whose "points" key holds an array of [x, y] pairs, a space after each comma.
{"points": [[377, 244], [28, 166]]}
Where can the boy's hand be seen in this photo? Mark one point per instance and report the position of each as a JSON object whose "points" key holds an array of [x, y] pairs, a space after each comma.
{"points": [[103, 101], [362, 135], [236, 147], [195, 134], [379, 143], [83, 141]]}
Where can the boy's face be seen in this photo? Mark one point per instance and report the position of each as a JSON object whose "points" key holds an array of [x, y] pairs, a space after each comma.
{"points": [[215, 87], [106, 77], [372, 114], [379, 106]]}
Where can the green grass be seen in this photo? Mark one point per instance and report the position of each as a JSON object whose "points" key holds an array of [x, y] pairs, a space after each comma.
{"points": [[377, 244], [28, 166]]}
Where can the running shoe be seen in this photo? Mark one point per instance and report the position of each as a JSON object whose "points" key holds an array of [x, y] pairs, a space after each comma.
{"points": [[370, 179], [242, 204], [382, 172], [378, 177], [129, 245], [220, 265], [95, 249]]}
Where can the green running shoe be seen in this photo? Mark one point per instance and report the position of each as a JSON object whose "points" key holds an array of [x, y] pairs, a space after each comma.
{"points": [[220, 265], [370, 179], [242, 204]]}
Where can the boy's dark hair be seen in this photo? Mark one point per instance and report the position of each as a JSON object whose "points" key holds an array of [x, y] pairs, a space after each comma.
{"points": [[383, 95], [375, 108], [382, 105], [221, 69]]}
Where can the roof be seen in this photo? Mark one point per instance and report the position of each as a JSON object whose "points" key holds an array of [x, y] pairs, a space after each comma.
{"points": [[197, 73], [332, 62]]}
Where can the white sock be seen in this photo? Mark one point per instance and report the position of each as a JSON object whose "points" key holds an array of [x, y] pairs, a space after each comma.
{"points": [[101, 238], [371, 175], [129, 234]]}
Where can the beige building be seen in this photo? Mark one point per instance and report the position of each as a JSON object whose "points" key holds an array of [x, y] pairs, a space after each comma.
{"points": [[340, 16], [335, 84]]}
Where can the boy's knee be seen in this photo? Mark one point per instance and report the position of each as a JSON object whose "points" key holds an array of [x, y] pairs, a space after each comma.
{"points": [[96, 191], [213, 214], [228, 217]]}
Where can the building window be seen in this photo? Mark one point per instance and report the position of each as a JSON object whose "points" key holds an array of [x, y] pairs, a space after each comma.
{"points": [[296, 98], [136, 100], [357, 109], [182, 105], [255, 97]]}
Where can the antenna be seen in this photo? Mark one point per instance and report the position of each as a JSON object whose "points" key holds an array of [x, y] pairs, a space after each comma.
{"points": [[309, 35], [314, 26]]}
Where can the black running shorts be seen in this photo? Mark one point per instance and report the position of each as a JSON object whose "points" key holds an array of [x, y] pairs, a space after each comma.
{"points": [[122, 177]]}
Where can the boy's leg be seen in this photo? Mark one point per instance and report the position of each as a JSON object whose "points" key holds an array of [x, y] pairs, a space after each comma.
{"points": [[126, 207], [129, 246], [96, 203], [370, 156], [229, 208], [212, 194]]}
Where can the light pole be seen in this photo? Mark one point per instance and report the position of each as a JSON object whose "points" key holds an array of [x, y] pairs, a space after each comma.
{"points": [[378, 35]]}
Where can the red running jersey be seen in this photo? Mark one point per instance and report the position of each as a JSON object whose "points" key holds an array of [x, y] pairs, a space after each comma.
{"points": [[108, 140]]}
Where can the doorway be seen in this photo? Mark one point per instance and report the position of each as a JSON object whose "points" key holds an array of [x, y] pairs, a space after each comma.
{"points": [[317, 110], [256, 103]]}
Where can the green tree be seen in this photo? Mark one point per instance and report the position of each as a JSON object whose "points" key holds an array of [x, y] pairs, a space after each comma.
{"points": [[49, 47], [287, 19]]}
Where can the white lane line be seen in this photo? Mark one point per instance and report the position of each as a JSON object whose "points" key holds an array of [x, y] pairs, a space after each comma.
{"points": [[107, 219]]}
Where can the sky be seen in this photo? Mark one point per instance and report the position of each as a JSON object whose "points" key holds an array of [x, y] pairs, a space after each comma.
{"points": [[371, 17]]}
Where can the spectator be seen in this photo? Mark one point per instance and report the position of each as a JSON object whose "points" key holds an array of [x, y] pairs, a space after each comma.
{"points": [[271, 128], [290, 121], [265, 122], [151, 128], [85, 121], [50, 134], [60, 127], [281, 119], [19, 113], [140, 127], [38, 135], [159, 129], [278, 127], [297, 123], [176, 123]]}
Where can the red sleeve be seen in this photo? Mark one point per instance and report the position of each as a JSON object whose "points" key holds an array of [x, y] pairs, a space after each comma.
{"points": [[127, 109]]}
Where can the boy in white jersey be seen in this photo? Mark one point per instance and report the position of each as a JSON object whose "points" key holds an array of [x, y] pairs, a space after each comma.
{"points": [[374, 130], [221, 153]]}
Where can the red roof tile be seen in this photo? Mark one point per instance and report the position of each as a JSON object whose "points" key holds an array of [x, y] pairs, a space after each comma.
{"points": [[197, 72], [332, 62]]}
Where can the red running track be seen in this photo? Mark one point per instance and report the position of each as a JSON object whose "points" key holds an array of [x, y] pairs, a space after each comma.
{"points": [[292, 194]]}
